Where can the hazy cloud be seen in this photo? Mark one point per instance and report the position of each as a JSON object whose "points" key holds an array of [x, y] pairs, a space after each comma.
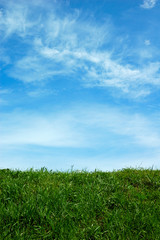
{"points": [[147, 42], [79, 127]]}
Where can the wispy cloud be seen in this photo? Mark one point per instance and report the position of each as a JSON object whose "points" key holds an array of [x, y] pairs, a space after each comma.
{"points": [[69, 45], [13, 20], [32, 129], [41, 92], [98, 126], [148, 4]]}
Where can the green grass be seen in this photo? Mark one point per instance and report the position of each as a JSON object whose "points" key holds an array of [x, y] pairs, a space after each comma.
{"points": [[80, 205]]}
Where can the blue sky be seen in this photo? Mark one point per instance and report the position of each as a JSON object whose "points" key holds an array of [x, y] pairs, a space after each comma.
{"points": [[79, 84]]}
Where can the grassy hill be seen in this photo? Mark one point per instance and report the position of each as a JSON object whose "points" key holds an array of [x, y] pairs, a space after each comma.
{"points": [[80, 205]]}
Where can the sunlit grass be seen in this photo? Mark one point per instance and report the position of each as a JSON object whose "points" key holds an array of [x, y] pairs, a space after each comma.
{"points": [[80, 205]]}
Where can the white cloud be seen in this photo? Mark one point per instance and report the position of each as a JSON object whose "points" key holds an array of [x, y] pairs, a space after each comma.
{"points": [[98, 126], [130, 80], [148, 4], [68, 45], [99, 70], [14, 20], [31, 129], [137, 127], [18, 18]]}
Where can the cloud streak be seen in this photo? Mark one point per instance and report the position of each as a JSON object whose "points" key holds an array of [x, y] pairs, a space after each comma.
{"points": [[80, 127], [70, 46]]}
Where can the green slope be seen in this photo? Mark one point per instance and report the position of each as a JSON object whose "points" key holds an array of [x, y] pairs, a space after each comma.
{"points": [[80, 205]]}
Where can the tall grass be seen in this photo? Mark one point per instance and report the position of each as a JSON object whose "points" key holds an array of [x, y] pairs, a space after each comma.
{"points": [[80, 205]]}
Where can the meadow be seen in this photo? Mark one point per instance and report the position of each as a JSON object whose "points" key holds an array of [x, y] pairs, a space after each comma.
{"points": [[42, 204]]}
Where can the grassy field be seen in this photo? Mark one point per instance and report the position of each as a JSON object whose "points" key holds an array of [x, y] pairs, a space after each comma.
{"points": [[80, 205]]}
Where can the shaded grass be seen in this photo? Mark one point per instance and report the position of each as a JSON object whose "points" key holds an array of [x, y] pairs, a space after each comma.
{"points": [[80, 205]]}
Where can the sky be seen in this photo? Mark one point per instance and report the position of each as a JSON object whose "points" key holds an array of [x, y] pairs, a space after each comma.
{"points": [[79, 84]]}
